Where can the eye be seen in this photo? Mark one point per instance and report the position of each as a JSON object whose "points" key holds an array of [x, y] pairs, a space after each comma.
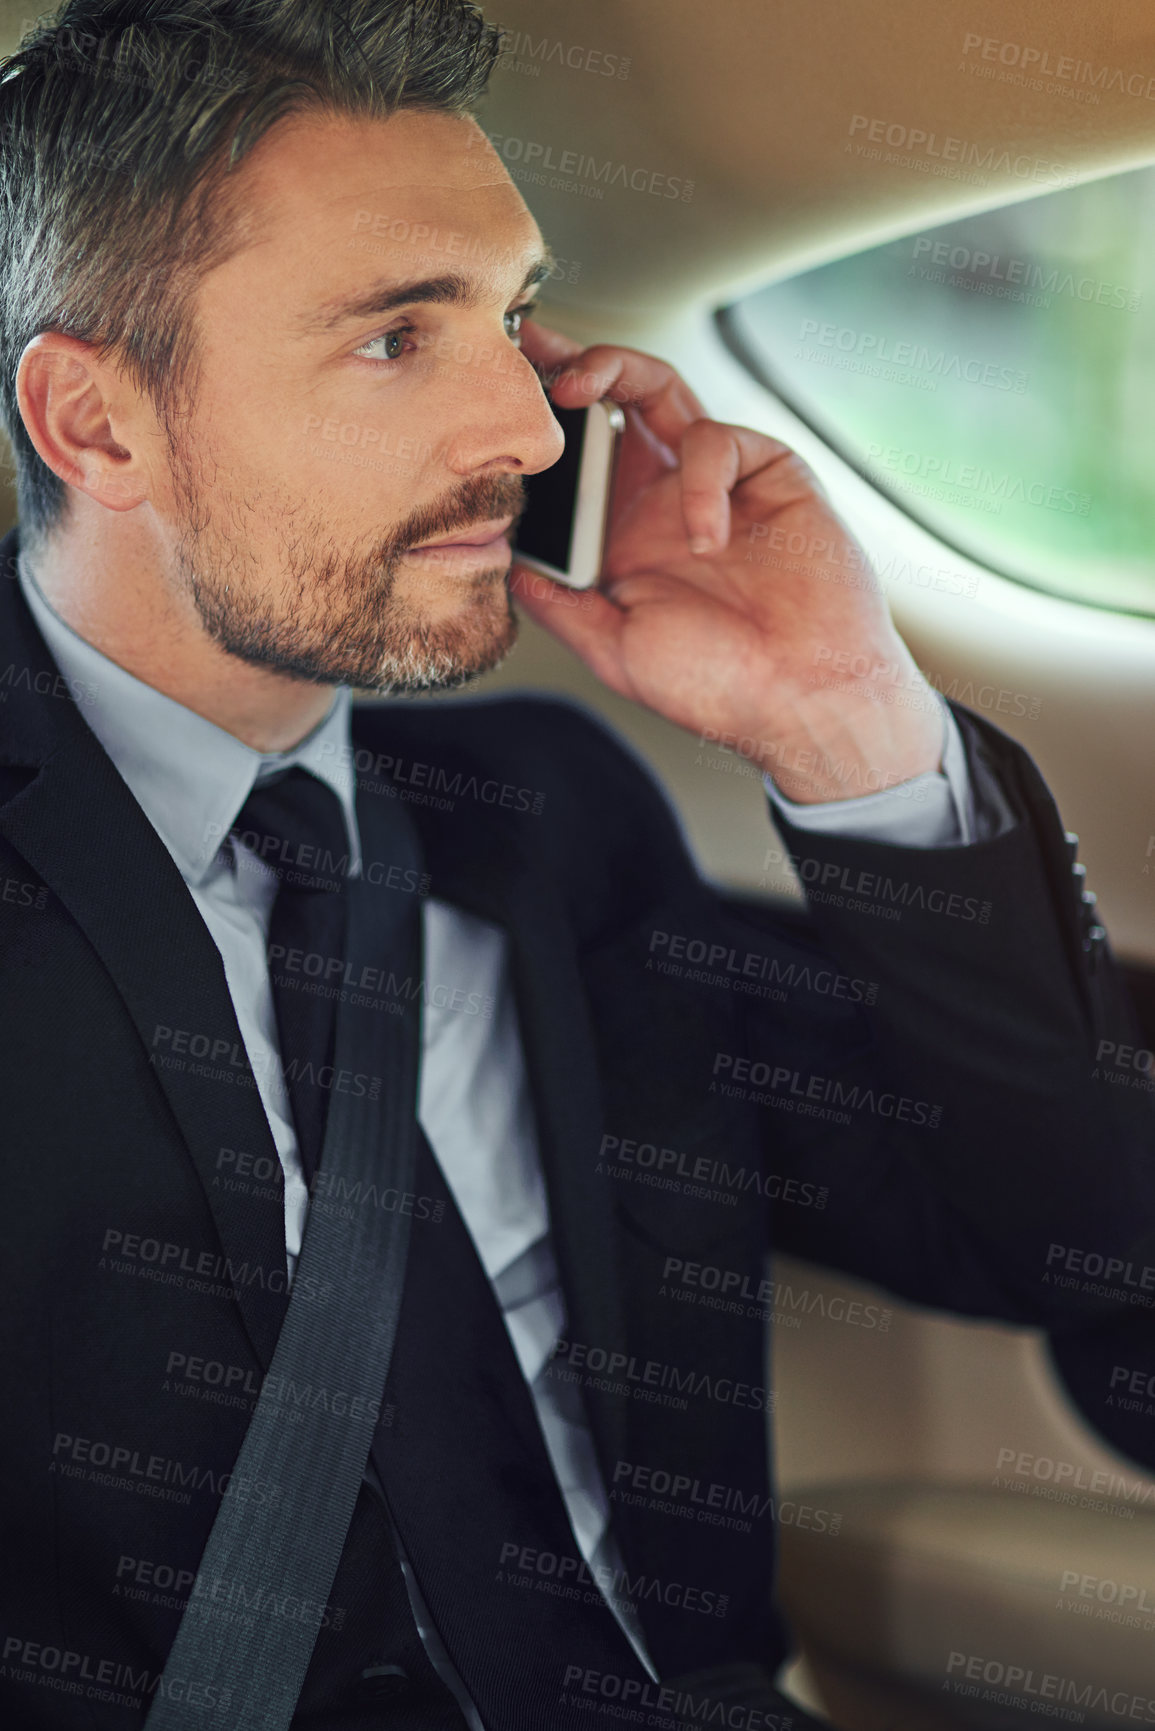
{"points": [[519, 316], [392, 341]]}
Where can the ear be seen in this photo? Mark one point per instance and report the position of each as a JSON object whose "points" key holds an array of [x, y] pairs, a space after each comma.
{"points": [[79, 413]]}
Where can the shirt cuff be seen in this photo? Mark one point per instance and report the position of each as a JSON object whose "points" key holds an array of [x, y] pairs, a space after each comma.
{"points": [[936, 809]]}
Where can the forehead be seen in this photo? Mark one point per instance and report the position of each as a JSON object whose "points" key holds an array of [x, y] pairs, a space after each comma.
{"points": [[332, 201]]}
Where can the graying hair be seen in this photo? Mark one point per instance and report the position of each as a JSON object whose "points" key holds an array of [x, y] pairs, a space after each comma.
{"points": [[120, 123]]}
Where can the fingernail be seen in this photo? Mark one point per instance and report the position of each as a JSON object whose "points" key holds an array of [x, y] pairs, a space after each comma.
{"points": [[701, 544]]}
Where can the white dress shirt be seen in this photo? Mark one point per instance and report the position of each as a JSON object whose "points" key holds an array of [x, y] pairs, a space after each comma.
{"points": [[191, 779]]}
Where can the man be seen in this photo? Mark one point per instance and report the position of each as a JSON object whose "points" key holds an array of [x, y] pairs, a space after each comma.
{"points": [[187, 309]]}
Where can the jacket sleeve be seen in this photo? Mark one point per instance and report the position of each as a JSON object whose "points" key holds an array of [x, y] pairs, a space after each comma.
{"points": [[981, 1147]]}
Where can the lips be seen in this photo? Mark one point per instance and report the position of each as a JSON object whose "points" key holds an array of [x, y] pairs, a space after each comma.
{"points": [[478, 535]]}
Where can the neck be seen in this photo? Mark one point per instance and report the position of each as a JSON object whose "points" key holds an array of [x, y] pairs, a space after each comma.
{"points": [[111, 588]]}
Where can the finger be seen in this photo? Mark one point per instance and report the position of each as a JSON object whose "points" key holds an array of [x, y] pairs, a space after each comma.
{"points": [[715, 459], [710, 463], [547, 349], [582, 619], [662, 398]]}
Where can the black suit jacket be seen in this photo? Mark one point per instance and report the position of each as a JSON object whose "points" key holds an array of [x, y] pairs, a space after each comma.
{"points": [[909, 1099]]}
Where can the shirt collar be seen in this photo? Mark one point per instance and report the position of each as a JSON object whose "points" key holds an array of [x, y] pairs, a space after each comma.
{"points": [[189, 776]]}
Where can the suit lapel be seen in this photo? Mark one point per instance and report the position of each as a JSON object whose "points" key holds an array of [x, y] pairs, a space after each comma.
{"points": [[78, 826]]}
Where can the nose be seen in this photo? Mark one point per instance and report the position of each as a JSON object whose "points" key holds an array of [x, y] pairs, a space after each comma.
{"points": [[501, 416]]}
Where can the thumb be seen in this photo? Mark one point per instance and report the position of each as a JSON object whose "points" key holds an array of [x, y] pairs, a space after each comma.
{"points": [[583, 619]]}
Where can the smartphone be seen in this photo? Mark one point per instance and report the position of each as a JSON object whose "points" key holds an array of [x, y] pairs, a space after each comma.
{"points": [[563, 531]]}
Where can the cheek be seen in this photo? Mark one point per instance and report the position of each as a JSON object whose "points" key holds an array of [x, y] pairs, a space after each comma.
{"points": [[353, 490], [375, 470], [395, 420]]}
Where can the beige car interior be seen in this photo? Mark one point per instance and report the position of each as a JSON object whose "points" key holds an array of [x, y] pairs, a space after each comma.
{"points": [[922, 1465]]}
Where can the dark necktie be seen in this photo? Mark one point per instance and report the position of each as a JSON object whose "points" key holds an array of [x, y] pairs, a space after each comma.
{"points": [[297, 827]]}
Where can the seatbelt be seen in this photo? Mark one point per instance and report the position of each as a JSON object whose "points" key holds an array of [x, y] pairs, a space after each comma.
{"points": [[338, 1334]]}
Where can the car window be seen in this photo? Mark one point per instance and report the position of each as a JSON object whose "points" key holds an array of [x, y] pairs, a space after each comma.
{"points": [[993, 376]]}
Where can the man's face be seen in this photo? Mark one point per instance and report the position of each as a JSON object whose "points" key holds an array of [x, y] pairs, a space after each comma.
{"points": [[360, 415]]}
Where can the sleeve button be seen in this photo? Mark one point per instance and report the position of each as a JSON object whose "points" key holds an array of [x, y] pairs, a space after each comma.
{"points": [[378, 1682]]}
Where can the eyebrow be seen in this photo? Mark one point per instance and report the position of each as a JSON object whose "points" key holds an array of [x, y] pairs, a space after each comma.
{"points": [[450, 289]]}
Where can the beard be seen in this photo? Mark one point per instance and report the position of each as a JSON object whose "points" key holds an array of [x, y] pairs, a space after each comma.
{"points": [[338, 618]]}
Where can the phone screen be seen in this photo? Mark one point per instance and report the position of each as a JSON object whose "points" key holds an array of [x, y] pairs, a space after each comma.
{"points": [[546, 530]]}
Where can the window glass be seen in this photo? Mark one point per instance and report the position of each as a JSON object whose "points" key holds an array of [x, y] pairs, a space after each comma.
{"points": [[995, 377]]}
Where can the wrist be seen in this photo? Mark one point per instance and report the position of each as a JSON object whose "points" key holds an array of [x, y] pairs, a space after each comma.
{"points": [[840, 745]]}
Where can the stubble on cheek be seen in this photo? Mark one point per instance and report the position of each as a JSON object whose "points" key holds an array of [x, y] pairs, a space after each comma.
{"points": [[272, 587]]}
